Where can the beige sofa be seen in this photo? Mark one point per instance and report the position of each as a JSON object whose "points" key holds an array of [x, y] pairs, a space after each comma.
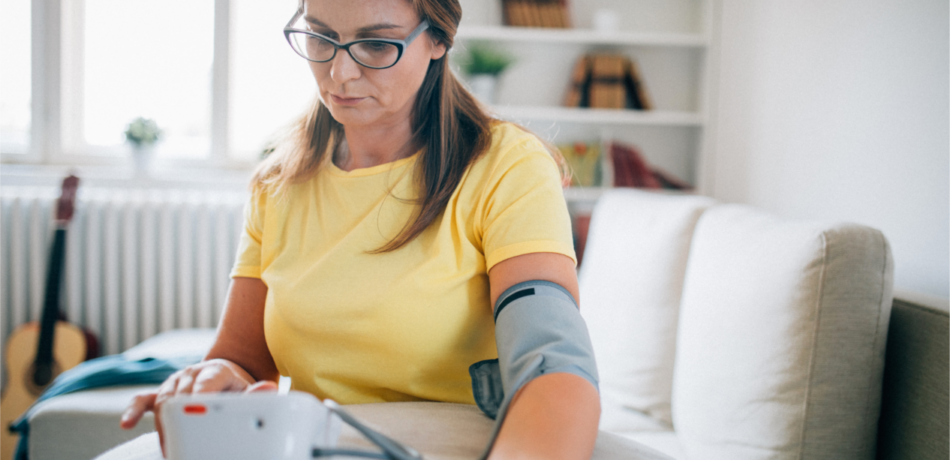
{"points": [[725, 333], [721, 333]]}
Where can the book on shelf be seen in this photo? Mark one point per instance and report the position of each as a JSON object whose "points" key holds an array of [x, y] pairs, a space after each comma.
{"points": [[607, 81], [632, 170], [536, 13], [513, 14], [580, 226], [637, 93], [547, 19], [578, 90], [564, 14]]}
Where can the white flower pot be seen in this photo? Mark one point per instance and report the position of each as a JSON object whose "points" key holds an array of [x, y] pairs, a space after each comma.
{"points": [[142, 156], [483, 87]]}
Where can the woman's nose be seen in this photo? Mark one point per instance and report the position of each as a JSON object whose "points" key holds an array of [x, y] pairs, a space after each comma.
{"points": [[343, 67]]}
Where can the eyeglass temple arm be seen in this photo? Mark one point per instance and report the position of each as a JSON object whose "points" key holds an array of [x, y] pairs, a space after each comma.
{"points": [[415, 33], [295, 18]]}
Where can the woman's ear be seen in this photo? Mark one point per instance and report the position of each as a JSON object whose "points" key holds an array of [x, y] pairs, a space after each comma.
{"points": [[438, 50]]}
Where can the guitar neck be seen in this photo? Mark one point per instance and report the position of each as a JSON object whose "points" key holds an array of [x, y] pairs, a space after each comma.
{"points": [[54, 275]]}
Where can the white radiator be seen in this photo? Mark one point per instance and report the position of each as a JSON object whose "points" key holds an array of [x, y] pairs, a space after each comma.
{"points": [[138, 262]]}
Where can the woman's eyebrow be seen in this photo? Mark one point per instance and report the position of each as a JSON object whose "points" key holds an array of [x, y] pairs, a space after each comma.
{"points": [[384, 26]]}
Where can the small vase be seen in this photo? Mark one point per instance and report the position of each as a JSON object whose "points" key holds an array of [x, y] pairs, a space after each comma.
{"points": [[483, 87], [142, 156]]}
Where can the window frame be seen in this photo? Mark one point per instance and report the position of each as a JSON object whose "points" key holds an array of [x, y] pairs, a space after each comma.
{"points": [[51, 64]]}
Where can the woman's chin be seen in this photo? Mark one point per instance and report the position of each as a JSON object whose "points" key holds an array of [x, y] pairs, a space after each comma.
{"points": [[350, 116]]}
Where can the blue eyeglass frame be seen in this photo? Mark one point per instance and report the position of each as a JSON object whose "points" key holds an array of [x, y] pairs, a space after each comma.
{"points": [[401, 45]]}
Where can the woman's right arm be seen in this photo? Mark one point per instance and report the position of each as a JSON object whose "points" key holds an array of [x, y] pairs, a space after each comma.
{"points": [[241, 333], [238, 361]]}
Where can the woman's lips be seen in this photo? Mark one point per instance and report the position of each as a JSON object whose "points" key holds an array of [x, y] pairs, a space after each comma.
{"points": [[346, 100]]}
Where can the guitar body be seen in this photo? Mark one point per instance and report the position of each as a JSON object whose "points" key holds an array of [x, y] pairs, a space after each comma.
{"points": [[69, 349]]}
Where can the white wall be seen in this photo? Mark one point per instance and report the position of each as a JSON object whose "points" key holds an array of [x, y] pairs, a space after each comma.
{"points": [[838, 110]]}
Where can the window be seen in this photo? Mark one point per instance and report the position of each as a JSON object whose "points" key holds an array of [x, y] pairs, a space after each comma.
{"points": [[217, 77], [261, 58], [15, 76], [148, 58]]}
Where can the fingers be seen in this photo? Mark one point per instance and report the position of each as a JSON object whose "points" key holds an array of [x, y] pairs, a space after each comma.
{"points": [[161, 432], [216, 375], [262, 387], [140, 404], [186, 381]]}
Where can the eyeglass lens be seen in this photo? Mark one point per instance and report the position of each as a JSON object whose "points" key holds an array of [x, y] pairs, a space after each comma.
{"points": [[369, 53]]}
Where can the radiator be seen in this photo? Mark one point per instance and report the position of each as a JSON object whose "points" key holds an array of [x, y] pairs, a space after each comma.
{"points": [[138, 262]]}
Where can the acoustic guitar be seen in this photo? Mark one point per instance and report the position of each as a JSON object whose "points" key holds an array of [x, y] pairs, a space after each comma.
{"points": [[38, 352]]}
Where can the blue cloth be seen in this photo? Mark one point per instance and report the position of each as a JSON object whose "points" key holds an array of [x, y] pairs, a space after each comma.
{"points": [[107, 371]]}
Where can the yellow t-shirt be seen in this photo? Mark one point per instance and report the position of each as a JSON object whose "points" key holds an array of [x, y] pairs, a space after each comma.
{"points": [[404, 325]]}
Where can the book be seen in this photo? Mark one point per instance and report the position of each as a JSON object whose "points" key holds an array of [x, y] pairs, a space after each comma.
{"points": [[607, 90], [578, 87], [632, 170], [506, 16], [564, 13], [580, 226], [544, 12], [535, 13], [636, 91], [515, 13]]}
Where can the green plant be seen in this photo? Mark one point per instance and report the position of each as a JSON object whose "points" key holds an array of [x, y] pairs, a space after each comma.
{"points": [[483, 59], [142, 132]]}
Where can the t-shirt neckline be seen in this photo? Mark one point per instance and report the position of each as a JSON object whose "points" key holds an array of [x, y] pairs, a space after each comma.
{"points": [[372, 170]]}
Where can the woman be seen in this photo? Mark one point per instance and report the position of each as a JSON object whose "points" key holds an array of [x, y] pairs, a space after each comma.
{"points": [[383, 229]]}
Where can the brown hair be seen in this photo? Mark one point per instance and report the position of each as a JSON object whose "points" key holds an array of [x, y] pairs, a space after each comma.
{"points": [[447, 120]]}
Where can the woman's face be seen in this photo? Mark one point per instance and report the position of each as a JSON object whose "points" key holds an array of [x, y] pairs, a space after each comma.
{"points": [[357, 95]]}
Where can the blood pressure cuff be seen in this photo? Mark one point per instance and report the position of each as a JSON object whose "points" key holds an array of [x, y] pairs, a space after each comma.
{"points": [[538, 330]]}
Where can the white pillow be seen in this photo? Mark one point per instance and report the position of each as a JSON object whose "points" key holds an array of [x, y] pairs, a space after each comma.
{"points": [[631, 279], [781, 338]]}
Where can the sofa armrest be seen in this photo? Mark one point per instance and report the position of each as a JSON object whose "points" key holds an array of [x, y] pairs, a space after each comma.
{"points": [[914, 420]]}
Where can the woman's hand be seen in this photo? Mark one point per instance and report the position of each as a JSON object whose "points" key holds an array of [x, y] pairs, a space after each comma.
{"points": [[211, 376], [238, 358]]}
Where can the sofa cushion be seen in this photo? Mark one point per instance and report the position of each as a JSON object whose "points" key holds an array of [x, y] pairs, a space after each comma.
{"points": [[662, 441], [781, 338], [630, 286], [86, 423], [81, 425]]}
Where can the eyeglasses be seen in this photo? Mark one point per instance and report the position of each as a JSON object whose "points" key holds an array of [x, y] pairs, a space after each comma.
{"points": [[375, 53]]}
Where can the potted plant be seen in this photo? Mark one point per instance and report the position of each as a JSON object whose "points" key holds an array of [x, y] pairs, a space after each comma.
{"points": [[483, 64], [142, 133]]}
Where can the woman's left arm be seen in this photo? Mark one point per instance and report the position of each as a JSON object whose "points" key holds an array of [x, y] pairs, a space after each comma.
{"points": [[555, 415]]}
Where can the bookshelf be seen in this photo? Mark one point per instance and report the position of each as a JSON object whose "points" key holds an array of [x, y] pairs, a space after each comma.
{"points": [[670, 40], [580, 36]]}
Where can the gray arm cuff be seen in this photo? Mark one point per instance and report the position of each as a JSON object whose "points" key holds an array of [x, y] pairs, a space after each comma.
{"points": [[538, 330]]}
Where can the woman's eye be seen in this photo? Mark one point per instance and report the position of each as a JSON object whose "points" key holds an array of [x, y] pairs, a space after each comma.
{"points": [[378, 46]]}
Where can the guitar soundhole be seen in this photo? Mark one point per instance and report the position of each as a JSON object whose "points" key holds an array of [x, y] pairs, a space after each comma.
{"points": [[36, 383]]}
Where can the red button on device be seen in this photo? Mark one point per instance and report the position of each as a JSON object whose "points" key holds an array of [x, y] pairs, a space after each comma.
{"points": [[195, 409]]}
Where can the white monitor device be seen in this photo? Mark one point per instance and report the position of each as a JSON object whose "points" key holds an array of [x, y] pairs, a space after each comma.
{"points": [[248, 426]]}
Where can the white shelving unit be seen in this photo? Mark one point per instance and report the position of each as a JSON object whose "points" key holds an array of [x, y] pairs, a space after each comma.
{"points": [[582, 36], [670, 40]]}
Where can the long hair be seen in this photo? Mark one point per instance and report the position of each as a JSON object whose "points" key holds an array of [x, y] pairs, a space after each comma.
{"points": [[447, 120]]}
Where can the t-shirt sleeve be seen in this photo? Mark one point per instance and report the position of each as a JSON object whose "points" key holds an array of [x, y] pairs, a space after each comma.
{"points": [[248, 262], [524, 210]]}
